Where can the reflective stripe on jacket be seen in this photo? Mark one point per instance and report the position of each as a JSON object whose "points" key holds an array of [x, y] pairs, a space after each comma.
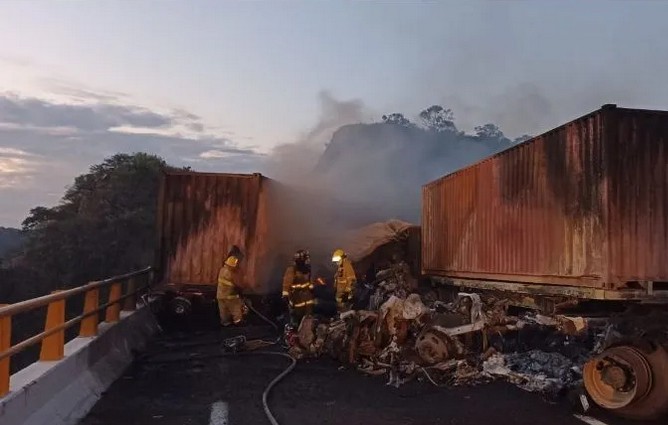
{"points": [[297, 287]]}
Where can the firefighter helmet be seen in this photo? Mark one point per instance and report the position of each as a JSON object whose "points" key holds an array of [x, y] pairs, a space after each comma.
{"points": [[302, 256], [231, 261], [303, 261], [338, 255], [235, 251]]}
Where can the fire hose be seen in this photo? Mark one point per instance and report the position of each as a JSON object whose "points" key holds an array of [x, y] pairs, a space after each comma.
{"points": [[293, 363], [233, 344], [232, 347], [265, 394]]}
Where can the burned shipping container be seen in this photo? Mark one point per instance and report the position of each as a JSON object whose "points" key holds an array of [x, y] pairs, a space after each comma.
{"points": [[201, 215], [584, 205]]}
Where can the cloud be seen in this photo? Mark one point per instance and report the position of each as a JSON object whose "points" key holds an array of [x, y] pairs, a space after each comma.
{"points": [[16, 166], [214, 153], [92, 117], [13, 152], [76, 93], [196, 127], [185, 115], [45, 144]]}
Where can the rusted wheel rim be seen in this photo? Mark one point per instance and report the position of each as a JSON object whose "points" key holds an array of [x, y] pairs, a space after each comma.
{"points": [[655, 404], [617, 377], [432, 348]]}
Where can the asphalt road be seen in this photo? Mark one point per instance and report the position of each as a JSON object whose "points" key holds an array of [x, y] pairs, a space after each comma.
{"points": [[183, 380]]}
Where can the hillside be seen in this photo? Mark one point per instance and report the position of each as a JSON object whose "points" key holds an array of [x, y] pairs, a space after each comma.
{"points": [[383, 165], [10, 240]]}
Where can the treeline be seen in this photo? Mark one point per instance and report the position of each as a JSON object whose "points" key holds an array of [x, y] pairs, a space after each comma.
{"points": [[103, 226], [382, 166], [438, 119], [10, 242]]}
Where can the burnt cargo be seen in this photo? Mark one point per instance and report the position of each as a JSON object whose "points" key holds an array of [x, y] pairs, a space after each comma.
{"points": [[201, 215], [584, 205]]}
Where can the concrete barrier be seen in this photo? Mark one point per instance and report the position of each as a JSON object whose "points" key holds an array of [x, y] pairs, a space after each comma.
{"points": [[64, 391]]}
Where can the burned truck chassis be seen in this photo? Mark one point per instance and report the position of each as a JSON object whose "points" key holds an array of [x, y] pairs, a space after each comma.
{"points": [[550, 298], [627, 371]]}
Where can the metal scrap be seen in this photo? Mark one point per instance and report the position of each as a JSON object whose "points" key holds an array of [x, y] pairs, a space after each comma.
{"points": [[464, 342]]}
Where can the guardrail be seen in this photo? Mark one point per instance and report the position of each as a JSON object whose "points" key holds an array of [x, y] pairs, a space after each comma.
{"points": [[53, 337]]}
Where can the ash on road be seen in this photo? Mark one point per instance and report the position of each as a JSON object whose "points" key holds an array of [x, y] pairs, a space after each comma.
{"points": [[182, 380]]}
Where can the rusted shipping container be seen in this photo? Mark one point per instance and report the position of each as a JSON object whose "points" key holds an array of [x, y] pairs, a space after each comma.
{"points": [[583, 205], [200, 216]]}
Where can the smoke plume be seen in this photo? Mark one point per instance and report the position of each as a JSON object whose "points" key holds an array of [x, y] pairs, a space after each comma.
{"points": [[293, 163], [343, 173], [307, 210]]}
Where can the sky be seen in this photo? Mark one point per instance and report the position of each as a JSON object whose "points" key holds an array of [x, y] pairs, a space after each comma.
{"points": [[218, 85]]}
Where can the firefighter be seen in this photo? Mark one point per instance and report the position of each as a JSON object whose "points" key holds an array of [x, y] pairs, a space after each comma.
{"points": [[344, 279], [298, 288], [230, 304]]}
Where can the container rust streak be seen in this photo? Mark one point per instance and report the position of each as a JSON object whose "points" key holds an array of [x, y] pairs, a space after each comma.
{"points": [[202, 216], [584, 204]]}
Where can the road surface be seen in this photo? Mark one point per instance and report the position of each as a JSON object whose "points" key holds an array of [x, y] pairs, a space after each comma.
{"points": [[181, 380]]}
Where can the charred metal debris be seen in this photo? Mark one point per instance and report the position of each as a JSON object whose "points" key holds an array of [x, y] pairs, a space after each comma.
{"points": [[406, 334]]}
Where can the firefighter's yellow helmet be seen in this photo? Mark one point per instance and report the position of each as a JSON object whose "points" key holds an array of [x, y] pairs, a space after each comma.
{"points": [[338, 255], [231, 261]]}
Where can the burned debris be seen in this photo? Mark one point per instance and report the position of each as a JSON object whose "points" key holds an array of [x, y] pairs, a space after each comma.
{"points": [[406, 339], [405, 331]]}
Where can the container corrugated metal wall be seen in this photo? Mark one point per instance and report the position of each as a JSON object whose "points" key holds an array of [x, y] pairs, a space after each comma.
{"points": [[638, 195], [202, 215], [584, 204]]}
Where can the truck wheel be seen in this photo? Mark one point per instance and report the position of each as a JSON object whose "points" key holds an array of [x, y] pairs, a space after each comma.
{"points": [[629, 382], [181, 306]]}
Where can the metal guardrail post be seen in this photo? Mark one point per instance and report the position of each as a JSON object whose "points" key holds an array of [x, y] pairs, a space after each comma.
{"points": [[91, 304], [5, 343], [53, 346], [113, 313], [130, 303]]}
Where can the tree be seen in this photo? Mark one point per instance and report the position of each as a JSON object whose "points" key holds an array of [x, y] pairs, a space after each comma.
{"points": [[489, 131], [103, 226], [438, 119], [523, 138], [11, 241], [397, 119], [39, 217]]}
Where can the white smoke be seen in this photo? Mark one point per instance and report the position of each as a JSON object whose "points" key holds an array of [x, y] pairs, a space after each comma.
{"points": [[292, 163]]}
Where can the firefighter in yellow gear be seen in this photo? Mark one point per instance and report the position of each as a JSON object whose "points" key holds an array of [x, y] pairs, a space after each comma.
{"points": [[230, 304], [344, 279], [298, 288]]}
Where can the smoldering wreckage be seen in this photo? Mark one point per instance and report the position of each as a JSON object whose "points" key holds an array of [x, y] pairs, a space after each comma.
{"points": [[405, 332], [541, 266]]}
